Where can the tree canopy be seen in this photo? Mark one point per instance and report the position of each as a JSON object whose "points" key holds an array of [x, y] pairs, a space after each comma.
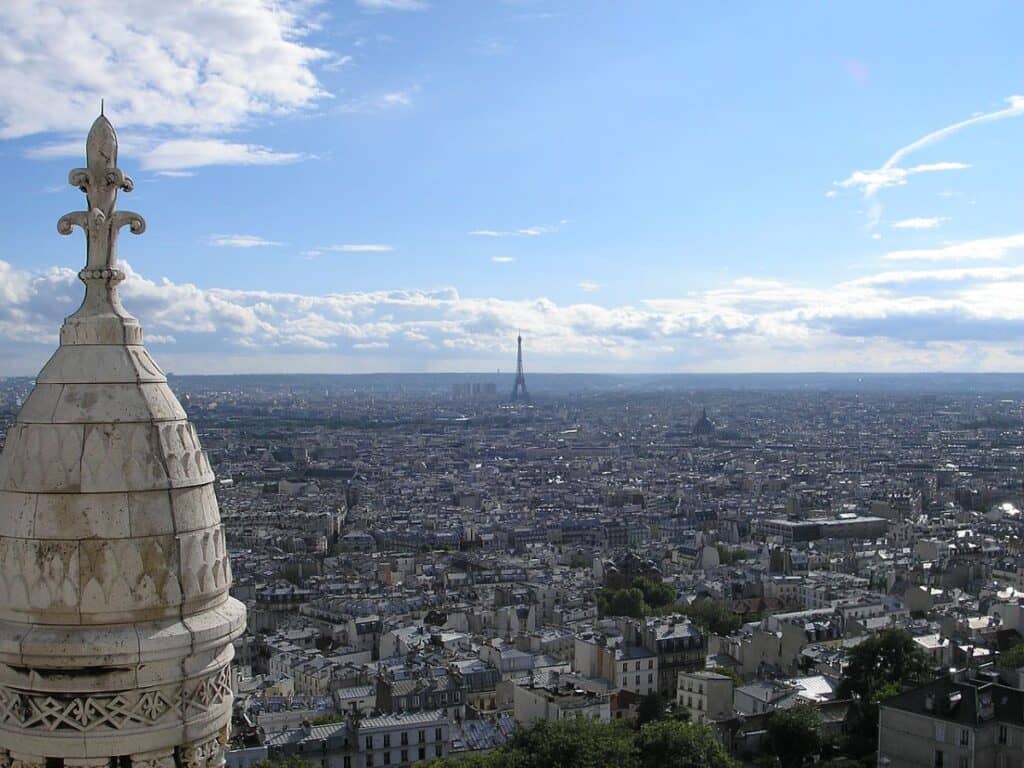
{"points": [[713, 616], [795, 735], [889, 657], [585, 743]]}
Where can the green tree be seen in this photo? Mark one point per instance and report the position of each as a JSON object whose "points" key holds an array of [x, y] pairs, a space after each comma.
{"points": [[657, 594], [795, 735], [650, 708], [891, 656], [879, 668], [1012, 658], [674, 744], [578, 743], [291, 761], [713, 617], [627, 602]]}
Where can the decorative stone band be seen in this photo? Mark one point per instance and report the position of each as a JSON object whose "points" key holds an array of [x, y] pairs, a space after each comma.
{"points": [[113, 275], [128, 710]]}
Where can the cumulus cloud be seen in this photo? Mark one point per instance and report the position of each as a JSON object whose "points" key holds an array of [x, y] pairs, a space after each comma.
{"points": [[188, 64], [936, 318], [588, 287], [174, 75]]}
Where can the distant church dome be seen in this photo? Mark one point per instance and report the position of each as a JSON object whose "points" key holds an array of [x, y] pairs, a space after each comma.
{"points": [[704, 425], [116, 626]]}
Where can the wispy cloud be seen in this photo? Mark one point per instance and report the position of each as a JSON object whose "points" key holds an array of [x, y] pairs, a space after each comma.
{"points": [[891, 173], [180, 154], [393, 5], [919, 222], [241, 241], [588, 287], [382, 102], [989, 248], [872, 181], [353, 248], [503, 259], [536, 231]]}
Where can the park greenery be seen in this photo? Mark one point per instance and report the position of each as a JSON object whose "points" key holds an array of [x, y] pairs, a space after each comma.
{"points": [[662, 743], [644, 597]]}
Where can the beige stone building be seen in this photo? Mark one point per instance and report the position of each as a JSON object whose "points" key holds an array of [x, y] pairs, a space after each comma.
{"points": [[116, 626]]}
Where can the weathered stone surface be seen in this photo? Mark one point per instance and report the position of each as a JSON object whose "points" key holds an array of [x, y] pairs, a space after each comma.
{"points": [[116, 626]]}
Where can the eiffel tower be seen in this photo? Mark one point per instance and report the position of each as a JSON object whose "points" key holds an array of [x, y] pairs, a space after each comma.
{"points": [[519, 393]]}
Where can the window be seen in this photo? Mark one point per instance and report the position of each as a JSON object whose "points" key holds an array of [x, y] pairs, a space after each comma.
{"points": [[405, 738], [1002, 734], [347, 762], [421, 736], [637, 665], [437, 735], [965, 737], [387, 740], [423, 753], [625, 667], [369, 760], [437, 750], [964, 762], [405, 755], [650, 677], [650, 664], [387, 758], [369, 742], [939, 757]]}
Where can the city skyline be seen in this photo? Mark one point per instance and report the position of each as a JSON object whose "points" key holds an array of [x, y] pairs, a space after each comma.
{"points": [[396, 185]]}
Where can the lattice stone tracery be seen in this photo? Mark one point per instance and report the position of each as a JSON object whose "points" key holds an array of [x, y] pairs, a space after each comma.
{"points": [[148, 706]]}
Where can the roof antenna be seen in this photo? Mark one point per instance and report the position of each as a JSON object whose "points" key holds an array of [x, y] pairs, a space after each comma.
{"points": [[101, 107]]}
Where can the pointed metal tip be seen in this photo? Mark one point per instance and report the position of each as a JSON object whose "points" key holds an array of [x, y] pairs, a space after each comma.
{"points": [[101, 107]]}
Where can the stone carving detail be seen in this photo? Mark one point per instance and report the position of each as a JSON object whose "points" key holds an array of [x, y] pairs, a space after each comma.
{"points": [[38, 712], [38, 574], [154, 760], [204, 562], [202, 754], [17, 760]]}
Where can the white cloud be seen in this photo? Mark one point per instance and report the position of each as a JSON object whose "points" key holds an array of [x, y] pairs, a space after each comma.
{"points": [[971, 250], [588, 287], [187, 65], [179, 154], [949, 318], [919, 222], [241, 241], [503, 259], [872, 181], [892, 174]]}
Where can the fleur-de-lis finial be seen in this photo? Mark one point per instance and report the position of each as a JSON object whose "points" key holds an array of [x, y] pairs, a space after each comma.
{"points": [[100, 180]]}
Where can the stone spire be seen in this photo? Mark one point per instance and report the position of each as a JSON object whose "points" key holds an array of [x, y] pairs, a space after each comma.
{"points": [[116, 626]]}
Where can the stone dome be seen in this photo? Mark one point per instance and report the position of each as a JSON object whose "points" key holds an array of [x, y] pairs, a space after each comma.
{"points": [[116, 626]]}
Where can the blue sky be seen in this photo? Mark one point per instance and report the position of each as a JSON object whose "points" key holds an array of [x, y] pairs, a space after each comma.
{"points": [[377, 185]]}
